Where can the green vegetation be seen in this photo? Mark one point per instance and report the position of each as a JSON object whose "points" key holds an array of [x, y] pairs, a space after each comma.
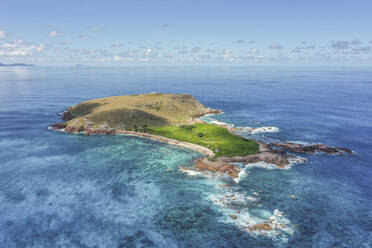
{"points": [[216, 138], [169, 115]]}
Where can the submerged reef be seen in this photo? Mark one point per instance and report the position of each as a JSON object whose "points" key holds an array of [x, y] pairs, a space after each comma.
{"points": [[178, 120]]}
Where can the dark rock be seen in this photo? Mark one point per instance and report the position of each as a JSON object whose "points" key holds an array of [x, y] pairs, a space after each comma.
{"points": [[66, 116], [211, 111], [58, 126], [218, 166], [308, 148]]}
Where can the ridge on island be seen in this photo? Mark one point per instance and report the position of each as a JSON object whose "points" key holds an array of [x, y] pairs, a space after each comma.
{"points": [[134, 112], [174, 119]]}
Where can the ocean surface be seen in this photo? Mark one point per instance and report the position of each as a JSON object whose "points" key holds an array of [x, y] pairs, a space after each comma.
{"points": [[59, 190]]}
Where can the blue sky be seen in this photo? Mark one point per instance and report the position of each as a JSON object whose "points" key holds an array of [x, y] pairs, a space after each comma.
{"points": [[275, 32]]}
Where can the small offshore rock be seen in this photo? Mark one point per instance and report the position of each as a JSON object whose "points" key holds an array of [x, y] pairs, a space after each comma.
{"points": [[261, 227]]}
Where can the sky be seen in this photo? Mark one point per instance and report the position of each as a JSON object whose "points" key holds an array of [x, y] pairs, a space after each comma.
{"points": [[187, 32]]}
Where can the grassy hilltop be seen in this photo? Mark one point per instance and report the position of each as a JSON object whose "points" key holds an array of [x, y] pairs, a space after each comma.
{"points": [[126, 112], [169, 115]]}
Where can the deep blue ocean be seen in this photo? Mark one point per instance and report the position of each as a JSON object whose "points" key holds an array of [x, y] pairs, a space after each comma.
{"points": [[59, 190]]}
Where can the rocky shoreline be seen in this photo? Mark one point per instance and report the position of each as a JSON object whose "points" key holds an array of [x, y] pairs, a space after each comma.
{"points": [[277, 154]]}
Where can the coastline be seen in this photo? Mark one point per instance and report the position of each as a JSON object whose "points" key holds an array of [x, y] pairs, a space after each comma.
{"points": [[275, 154]]}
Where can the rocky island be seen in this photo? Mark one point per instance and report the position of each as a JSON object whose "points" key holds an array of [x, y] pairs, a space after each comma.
{"points": [[175, 119]]}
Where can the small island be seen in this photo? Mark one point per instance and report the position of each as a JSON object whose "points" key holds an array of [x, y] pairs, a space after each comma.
{"points": [[16, 64], [175, 119]]}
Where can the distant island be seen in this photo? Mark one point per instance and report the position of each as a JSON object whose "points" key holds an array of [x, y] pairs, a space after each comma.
{"points": [[175, 119], [16, 64]]}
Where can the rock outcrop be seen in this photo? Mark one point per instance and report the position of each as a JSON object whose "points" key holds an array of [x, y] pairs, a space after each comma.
{"points": [[298, 148], [218, 166], [269, 154], [66, 115]]}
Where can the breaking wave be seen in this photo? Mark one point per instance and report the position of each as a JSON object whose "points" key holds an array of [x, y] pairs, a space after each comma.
{"points": [[252, 130], [234, 208]]}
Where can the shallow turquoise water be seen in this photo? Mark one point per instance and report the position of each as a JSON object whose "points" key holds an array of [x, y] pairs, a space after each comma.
{"points": [[59, 190]]}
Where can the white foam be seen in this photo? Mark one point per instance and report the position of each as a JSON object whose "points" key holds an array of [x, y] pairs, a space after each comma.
{"points": [[231, 198], [252, 130], [242, 173], [263, 165], [191, 172], [247, 220], [297, 160], [257, 130], [277, 222], [212, 114], [58, 130], [299, 142], [222, 124], [268, 166], [62, 113], [243, 210]]}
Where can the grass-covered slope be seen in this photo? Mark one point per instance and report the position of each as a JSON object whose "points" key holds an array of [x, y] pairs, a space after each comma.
{"points": [[125, 112], [216, 138]]}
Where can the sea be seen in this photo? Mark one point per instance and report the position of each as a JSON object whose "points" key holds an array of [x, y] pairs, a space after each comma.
{"points": [[60, 190]]}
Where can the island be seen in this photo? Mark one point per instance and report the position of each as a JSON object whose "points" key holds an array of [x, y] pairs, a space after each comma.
{"points": [[16, 64], [175, 119]]}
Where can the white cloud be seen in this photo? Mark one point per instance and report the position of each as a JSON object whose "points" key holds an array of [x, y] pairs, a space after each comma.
{"points": [[305, 47], [54, 34], [227, 54], [183, 52], [181, 47], [66, 43], [118, 58], [83, 36], [340, 44], [213, 51], [117, 44], [195, 50], [245, 41], [364, 49], [86, 53], [19, 48], [2, 34], [254, 51], [275, 46], [96, 28], [148, 52], [356, 42]]}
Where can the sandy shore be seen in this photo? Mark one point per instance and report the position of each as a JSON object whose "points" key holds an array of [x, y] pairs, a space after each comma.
{"points": [[207, 152]]}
